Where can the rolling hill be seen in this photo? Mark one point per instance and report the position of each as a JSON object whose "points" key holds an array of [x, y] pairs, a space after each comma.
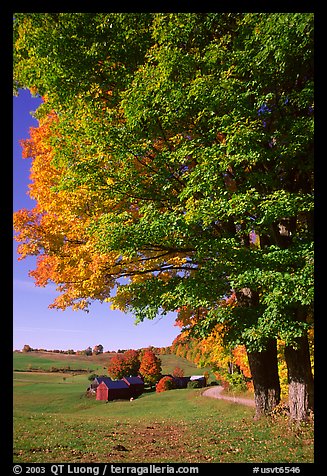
{"points": [[52, 362]]}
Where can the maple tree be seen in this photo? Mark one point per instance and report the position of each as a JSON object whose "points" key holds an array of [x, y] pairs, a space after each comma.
{"points": [[150, 367], [124, 365], [98, 349], [175, 151], [178, 372], [87, 351], [116, 368]]}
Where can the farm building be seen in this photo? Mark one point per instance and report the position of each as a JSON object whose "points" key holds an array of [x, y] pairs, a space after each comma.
{"points": [[181, 382], [199, 378], [128, 387], [136, 385]]}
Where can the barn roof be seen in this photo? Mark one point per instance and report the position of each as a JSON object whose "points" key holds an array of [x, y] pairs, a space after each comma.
{"points": [[182, 380], [197, 377], [133, 380], [116, 384], [103, 379]]}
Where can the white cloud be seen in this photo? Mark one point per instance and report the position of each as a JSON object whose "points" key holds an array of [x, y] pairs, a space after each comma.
{"points": [[36, 329], [28, 285]]}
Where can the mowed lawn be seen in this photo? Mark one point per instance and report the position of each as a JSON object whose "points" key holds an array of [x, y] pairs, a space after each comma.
{"points": [[55, 422]]}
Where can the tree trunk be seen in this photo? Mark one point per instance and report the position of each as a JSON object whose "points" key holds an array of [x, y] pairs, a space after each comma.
{"points": [[264, 370], [300, 379]]}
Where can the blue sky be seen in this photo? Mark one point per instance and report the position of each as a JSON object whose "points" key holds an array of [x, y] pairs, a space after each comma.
{"points": [[37, 325]]}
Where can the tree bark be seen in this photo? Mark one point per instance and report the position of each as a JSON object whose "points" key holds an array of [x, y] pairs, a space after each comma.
{"points": [[300, 379], [264, 370]]}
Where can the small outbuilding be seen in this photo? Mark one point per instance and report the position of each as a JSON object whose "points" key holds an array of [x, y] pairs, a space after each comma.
{"points": [[112, 390]]}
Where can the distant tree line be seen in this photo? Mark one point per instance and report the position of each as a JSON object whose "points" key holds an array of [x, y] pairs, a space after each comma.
{"points": [[97, 349]]}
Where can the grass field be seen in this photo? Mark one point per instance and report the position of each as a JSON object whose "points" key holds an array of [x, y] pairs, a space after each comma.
{"points": [[55, 422], [47, 360]]}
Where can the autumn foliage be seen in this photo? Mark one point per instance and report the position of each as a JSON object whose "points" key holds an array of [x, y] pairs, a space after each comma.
{"points": [[136, 362], [124, 365], [56, 228], [178, 372], [173, 169], [150, 367]]}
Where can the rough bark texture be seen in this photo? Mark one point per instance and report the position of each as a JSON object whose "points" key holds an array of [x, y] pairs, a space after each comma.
{"points": [[300, 379], [264, 370]]}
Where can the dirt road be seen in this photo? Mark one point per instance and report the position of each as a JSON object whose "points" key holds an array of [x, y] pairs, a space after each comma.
{"points": [[216, 392]]}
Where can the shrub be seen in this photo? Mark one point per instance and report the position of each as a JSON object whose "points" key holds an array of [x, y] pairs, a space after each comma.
{"points": [[164, 384], [237, 382], [193, 384], [53, 369], [27, 348], [92, 377]]}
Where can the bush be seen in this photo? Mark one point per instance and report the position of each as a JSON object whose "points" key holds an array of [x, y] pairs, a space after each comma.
{"points": [[164, 384], [194, 384]]}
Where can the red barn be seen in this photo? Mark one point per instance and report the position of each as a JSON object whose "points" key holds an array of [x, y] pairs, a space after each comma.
{"points": [[136, 386]]}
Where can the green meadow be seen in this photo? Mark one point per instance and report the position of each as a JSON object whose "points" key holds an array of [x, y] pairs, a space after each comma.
{"points": [[46, 361], [54, 421]]}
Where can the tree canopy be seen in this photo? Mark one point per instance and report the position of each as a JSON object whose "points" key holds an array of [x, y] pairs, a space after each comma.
{"points": [[173, 165]]}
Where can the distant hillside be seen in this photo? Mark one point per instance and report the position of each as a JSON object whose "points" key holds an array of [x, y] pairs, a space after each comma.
{"points": [[51, 361]]}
